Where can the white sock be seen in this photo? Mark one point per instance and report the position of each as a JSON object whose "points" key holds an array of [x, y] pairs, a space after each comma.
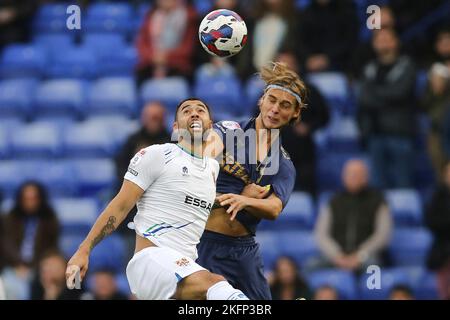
{"points": [[222, 290]]}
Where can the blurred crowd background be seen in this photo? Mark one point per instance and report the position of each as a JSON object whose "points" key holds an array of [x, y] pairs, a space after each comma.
{"points": [[372, 150]]}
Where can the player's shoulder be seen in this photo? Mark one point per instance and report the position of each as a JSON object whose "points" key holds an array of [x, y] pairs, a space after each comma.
{"points": [[286, 160]]}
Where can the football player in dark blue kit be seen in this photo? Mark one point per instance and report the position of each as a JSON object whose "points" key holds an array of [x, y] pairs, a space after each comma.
{"points": [[254, 183]]}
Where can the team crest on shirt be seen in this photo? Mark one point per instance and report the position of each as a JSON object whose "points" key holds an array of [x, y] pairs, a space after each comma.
{"points": [[185, 171], [232, 125], [137, 158], [183, 262]]}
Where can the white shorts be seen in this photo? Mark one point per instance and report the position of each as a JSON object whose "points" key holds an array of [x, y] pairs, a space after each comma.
{"points": [[154, 272]]}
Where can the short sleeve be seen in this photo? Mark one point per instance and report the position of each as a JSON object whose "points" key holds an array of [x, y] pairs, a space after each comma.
{"points": [[284, 181], [145, 167]]}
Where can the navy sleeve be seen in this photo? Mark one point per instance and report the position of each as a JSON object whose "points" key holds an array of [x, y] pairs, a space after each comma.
{"points": [[284, 181]]}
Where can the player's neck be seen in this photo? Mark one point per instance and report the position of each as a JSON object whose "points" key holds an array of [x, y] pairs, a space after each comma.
{"points": [[193, 148]]}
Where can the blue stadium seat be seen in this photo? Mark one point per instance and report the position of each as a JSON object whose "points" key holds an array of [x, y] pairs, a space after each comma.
{"points": [[88, 139], [60, 97], [119, 62], [52, 43], [389, 278], [334, 87], [298, 214], [50, 18], [93, 176], [69, 243], [427, 288], [170, 91], [268, 245], [36, 140], [16, 96], [110, 254], [324, 199], [409, 247], [123, 127], [405, 206], [22, 60], [76, 215], [300, 245], [56, 176], [343, 281], [76, 62], [101, 44], [112, 96], [109, 17], [221, 94], [343, 136]]}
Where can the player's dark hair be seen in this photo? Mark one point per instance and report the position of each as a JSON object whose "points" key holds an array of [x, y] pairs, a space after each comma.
{"points": [[193, 99], [44, 210]]}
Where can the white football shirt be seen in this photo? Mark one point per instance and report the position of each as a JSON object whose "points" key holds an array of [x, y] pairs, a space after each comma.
{"points": [[179, 192]]}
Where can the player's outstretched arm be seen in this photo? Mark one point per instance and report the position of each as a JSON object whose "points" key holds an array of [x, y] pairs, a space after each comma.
{"points": [[268, 208], [106, 223]]}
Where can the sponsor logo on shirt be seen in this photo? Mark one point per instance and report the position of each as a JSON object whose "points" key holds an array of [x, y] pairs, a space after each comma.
{"points": [[133, 172], [185, 171], [198, 203], [183, 262]]}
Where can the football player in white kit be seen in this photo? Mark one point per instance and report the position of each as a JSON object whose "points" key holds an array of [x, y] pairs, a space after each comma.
{"points": [[174, 188]]}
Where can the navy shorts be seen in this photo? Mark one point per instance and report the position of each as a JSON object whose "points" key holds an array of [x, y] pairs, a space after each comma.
{"points": [[237, 259]]}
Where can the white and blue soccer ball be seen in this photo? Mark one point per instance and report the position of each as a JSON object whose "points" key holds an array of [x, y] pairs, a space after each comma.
{"points": [[222, 33]]}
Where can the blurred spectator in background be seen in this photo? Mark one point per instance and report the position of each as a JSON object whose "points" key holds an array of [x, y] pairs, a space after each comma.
{"points": [[15, 19], [387, 114], [436, 102], [286, 282], [442, 46], [50, 282], [354, 228], [298, 139], [327, 32], [105, 286], [401, 292], [364, 52], [272, 29], [31, 228], [165, 41], [153, 131], [437, 219], [326, 293]]}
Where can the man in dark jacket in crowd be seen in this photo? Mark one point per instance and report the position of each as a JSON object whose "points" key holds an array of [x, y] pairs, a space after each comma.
{"points": [[354, 228], [387, 112]]}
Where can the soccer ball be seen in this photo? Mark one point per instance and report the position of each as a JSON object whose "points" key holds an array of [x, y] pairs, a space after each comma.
{"points": [[222, 33]]}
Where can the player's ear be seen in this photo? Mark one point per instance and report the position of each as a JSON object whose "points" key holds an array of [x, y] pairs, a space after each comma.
{"points": [[174, 137]]}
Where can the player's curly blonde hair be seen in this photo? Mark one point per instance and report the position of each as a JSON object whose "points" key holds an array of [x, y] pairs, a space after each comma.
{"points": [[278, 73]]}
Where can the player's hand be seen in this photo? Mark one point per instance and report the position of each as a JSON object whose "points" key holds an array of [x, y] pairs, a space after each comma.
{"points": [[255, 191], [236, 203], [77, 267]]}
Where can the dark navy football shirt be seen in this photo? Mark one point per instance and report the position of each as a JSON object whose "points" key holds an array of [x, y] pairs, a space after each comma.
{"points": [[234, 176]]}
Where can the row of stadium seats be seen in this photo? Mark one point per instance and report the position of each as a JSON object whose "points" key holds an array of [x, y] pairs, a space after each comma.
{"points": [[408, 246], [31, 98], [62, 137], [422, 282]]}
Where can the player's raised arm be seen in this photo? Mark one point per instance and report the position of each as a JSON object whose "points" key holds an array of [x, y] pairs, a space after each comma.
{"points": [[106, 223]]}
